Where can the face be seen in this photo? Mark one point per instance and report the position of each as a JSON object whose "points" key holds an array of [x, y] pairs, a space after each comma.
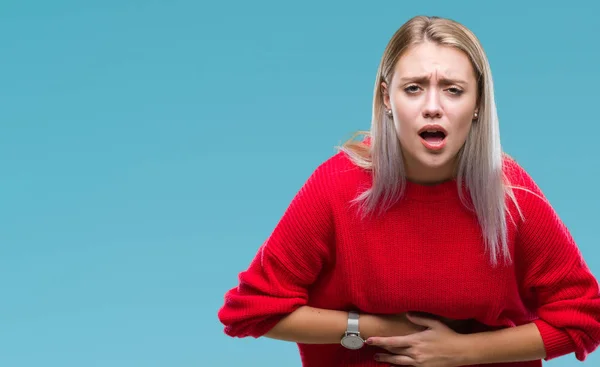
{"points": [[432, 96]]}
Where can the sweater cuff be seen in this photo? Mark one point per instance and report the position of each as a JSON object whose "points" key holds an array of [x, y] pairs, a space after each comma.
{"points": [[556, 342]]}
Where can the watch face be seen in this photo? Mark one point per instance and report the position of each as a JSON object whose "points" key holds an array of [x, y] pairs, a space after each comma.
{"points": [[352, 342]]}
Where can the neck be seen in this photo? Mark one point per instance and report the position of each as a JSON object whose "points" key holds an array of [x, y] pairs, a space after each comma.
{"points": [[426, 175], [427, 182]]}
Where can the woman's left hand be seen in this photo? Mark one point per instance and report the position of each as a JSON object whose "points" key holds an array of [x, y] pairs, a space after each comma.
{"points": [[437, 346]]}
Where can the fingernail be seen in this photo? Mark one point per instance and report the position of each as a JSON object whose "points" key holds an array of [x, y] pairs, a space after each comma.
{"points": [[369, 341], [377, 357]]}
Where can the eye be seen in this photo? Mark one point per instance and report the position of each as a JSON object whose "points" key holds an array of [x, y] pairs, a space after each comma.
{"points": [[455, 91], [412, 89]]}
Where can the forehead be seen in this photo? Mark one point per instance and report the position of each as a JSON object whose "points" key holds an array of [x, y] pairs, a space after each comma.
{"points": [[431, 60]]}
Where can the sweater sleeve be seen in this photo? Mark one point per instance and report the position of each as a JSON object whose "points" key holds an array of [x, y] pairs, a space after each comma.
{"points": [[287, 263], [566, 296]]}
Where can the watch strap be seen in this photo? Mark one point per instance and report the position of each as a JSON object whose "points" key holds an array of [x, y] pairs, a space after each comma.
{"points": [[352, 322]]}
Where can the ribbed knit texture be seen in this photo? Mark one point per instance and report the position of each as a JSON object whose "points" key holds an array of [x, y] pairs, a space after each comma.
{"points": [[425, 254]]}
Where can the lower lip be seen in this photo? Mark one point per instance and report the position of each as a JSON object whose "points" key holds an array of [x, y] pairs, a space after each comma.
{"points": [[436, 146]]}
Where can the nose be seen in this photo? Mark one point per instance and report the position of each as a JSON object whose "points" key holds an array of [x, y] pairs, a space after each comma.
{"points": [[432, 108]]}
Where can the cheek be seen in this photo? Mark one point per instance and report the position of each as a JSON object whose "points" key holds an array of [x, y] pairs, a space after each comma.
{"points": [[462, 132], [461, 122], [405, 121], [404, 126]]}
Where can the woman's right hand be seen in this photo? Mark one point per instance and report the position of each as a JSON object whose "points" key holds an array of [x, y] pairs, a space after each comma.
{"points": [[387, 325], [399, 324]]}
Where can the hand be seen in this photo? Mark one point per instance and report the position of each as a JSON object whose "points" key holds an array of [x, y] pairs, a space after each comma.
{"points": [[436, 346], [388, 325]]}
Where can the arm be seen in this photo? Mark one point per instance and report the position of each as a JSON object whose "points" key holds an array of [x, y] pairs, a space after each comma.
{"points": [[438, 345], [556, 285], [521, 343], [310, 325], [271, 298], [555, 281], [276, 282]]}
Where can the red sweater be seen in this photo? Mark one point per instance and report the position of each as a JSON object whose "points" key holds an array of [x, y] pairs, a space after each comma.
{"points": [[425, 254]]}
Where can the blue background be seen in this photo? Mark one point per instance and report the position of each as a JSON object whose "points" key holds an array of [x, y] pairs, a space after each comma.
{"points": [[147, 148]]}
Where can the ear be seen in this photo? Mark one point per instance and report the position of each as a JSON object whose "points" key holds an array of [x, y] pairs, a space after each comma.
{"points": [[386, 95]]}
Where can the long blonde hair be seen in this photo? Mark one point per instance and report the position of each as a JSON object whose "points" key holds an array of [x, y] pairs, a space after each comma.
{"points": [[479, 160]]}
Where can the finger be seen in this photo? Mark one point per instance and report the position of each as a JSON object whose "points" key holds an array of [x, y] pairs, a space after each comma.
{"points": [[424, 321], [394, 350], [399, 351], [394, 359], [391, 341]]}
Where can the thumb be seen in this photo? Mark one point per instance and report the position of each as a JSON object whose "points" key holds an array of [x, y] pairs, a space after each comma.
{"points": [[422, 320]]}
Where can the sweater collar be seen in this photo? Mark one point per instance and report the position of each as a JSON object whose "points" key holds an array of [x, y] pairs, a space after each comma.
{"points": [[437, 192]]}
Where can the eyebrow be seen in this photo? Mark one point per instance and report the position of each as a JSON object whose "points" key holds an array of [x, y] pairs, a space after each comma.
{"points": [[425, 80]]}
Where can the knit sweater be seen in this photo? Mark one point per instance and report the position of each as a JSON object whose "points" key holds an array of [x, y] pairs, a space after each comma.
{"points": [[425, 254]]}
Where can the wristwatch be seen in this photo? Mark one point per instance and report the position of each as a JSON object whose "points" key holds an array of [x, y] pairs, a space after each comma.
{"points": [[351, 338]]}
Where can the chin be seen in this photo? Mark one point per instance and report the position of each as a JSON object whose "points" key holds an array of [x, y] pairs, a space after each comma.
{"points": [[436, 160], [419, 157]]}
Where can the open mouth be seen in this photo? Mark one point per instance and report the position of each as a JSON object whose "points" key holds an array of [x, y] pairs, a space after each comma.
{"points": [[433, 137]]}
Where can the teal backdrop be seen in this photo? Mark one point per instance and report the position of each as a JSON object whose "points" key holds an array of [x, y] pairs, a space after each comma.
{"points": [[147, 148]]}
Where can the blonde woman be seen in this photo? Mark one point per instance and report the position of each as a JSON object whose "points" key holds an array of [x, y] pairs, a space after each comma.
{"points": [[422, 244]]}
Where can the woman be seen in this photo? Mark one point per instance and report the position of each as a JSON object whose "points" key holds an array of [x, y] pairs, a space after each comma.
{"points": [[397, 241]]}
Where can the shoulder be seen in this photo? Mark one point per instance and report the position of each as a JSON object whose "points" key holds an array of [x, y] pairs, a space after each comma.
{"points": [[338, 176], [338, 169], [516, 175], [513, 171], [521, 183]]}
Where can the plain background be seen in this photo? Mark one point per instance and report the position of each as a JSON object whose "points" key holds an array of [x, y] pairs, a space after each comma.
{"points": [[147, 148]]}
